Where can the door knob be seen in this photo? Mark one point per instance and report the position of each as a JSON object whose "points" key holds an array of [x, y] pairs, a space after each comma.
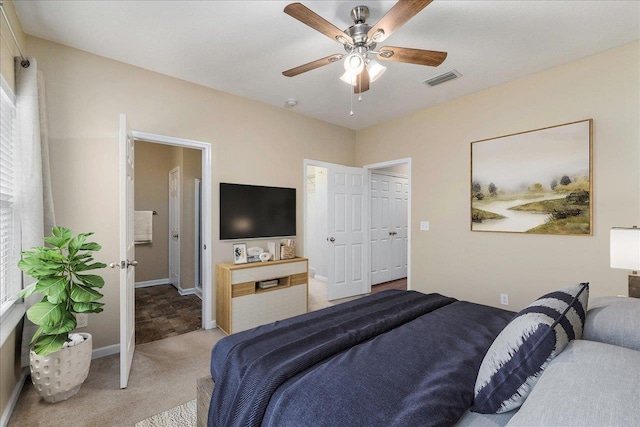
{"points": [[331, 239], [123, 264]]}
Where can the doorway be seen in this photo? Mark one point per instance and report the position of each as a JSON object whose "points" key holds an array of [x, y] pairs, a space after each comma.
{"points": [[127, 263], [166, 300], [319, 189]]}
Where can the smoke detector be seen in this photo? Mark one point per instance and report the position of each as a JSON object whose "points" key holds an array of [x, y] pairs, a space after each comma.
{"points": [[291, 103]]}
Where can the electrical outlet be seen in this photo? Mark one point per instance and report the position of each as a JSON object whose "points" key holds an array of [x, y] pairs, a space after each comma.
{"points": [[424, 225], [82, 319], [504, 299]]}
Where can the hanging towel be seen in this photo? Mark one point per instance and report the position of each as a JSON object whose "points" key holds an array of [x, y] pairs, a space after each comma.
{"points": [[142, 227]]}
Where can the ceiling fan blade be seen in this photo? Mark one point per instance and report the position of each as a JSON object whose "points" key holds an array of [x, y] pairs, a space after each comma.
{"points": [[396, 17], [312, 65], [431, 58], [362, 82], [317, 22]]}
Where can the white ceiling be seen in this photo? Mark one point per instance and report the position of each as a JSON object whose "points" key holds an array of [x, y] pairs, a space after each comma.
{"points": [[242, 47]]}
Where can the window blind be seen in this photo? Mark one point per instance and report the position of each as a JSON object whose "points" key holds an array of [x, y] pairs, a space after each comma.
{"points": [[9, 244]]}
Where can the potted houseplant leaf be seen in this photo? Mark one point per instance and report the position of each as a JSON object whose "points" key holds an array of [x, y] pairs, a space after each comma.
{"points": [[59, 361]]}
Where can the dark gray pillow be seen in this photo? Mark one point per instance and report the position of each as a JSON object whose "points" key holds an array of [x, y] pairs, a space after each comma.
{"points": [[614, 320], [589, 384]]}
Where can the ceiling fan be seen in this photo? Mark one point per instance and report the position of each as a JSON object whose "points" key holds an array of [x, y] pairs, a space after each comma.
{"points": [[360, 40]]}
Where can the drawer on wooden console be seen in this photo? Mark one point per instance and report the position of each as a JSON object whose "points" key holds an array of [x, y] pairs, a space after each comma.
{"points": [[265, 272], [299, 279], [241, 289]]}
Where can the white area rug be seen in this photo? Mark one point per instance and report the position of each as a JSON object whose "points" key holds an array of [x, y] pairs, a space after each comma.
{"points": [[181, 416]]}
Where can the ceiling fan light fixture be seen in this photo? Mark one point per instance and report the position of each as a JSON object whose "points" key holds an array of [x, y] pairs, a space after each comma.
{"points": [[354, 63], [349, 78], [375, 70]]}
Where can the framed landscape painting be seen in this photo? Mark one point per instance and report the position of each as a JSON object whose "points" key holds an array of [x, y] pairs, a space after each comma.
{"points": [[537, 182]]}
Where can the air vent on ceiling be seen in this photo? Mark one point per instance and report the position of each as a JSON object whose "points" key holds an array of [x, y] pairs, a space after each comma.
{"points": [[450, 75]]}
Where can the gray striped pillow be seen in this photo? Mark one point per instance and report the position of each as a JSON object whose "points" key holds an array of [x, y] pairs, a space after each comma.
{"points": [[526, 345]]}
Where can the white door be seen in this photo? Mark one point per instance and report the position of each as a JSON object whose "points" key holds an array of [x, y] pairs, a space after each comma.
{"points": [[389, 236], [347, 222], [380, 232], [127, 252], [174, 226]]}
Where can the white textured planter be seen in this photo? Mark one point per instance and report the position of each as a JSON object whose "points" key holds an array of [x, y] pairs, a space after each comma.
{"points": [[59, 375]]}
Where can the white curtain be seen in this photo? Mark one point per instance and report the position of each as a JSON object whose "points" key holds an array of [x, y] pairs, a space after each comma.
{"points": [[37, 215]]}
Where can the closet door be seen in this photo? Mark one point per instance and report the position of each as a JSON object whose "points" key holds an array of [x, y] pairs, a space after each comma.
{"points": [[389, 237]]}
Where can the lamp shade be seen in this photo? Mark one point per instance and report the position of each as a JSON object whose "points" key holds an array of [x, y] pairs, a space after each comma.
{"points": [[375, 70], [347, 77], [354, 63], [625, 248]]}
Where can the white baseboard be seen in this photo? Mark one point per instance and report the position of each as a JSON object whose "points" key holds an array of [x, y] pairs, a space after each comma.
{"points": [[155, 282], [198, 292], [318, 277], [210, 325], [6, 412], [189, 291], [105, 351]]}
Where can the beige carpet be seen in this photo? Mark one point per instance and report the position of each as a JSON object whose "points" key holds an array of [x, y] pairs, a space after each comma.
{"points": [[163, 376]]}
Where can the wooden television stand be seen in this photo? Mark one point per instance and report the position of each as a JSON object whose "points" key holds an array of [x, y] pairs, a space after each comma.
{"points": [[242, 305]]}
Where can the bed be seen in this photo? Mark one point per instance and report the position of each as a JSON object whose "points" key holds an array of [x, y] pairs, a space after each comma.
{"points": [[402, 358]]}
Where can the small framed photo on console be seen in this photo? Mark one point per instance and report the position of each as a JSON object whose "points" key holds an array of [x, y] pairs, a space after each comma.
{"points": [[239, 253]]}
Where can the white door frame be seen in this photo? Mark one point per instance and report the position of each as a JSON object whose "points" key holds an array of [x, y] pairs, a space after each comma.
{"points": [[382, 165], [198, 236], [207, 149]]}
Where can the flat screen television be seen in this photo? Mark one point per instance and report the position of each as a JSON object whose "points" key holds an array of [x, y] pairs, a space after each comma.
{"points": [[253, 211]]}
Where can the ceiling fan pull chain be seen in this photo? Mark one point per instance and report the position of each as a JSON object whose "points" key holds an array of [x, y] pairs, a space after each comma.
{"points": [[350, 101]]}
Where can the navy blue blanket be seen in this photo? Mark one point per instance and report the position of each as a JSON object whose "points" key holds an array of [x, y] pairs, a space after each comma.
{"points": [[332, 367]]}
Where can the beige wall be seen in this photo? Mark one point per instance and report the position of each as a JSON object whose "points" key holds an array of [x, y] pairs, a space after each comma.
{"points": [[152, 165], [85, 94], [478, 266], [8, 49], [8, 376]]}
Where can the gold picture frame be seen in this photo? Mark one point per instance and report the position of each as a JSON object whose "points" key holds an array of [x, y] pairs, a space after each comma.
{"points": [[536, 182]]}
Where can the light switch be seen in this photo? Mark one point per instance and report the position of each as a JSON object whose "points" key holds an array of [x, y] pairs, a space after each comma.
{"points": [[424, 225]]}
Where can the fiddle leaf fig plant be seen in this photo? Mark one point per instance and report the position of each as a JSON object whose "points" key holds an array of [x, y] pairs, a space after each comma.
{"points": [[64, 285]]}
